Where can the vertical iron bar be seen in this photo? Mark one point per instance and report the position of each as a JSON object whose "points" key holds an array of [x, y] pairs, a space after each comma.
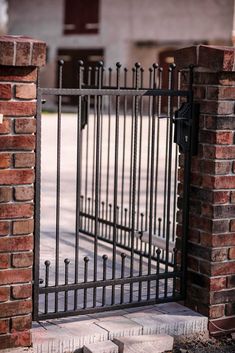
{"points": [[186, 189], [118, 65], [123, 257], [170, 111], [105, 258], [148, 152], [158, 252], [140, 148], [47, 264], [86, 260], [151, 196], [97, 176], [66, 277], [133, 201], [78, 181], [140, 274], [58, 168], [37, 207]]}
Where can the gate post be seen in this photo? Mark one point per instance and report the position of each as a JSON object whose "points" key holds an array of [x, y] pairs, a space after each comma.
{"points": [[211, 236], [20, 59]]}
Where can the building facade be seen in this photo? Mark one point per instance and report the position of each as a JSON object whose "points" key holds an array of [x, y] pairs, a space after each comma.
{"points": [[123, 30]]}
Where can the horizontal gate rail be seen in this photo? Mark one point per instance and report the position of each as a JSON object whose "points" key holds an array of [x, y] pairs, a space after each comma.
{"points": [[112, 92]]}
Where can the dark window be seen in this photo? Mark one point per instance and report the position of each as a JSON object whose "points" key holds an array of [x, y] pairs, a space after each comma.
{"points": [[90, 57], [81, 17]]}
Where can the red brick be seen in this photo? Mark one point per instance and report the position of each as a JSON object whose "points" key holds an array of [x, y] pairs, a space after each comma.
{"points": [[216, 137], [23, 227], [19, 176], [230, 309], [15, 108], [5, 91], [22, 259], [4, 261], [16, 339], [5, 194], [221, 197], [26, 91], [220, 152], [4, 326], [4, 228], [18, 74], [39, 54], [22, 210], [216, 311], [223, 268], [218, 182], [232, 197], [21, 323], [216, 167], [23, 53], [5, 126], [24, 160], [15, 275], [21, 142], [7, 48], [231, 254], [220, 254], [22, 291], [221, 325], [232, 225], [217, 107], [24, 193], [220, 92], [199, 92], [25, 126], [5, 160], [217, 283], [4, 294], [18, 243]]}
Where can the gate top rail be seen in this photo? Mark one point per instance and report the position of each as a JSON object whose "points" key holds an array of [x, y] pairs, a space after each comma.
{"points": [[112, 92]]}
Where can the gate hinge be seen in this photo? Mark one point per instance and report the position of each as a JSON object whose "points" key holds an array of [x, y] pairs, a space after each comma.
{"points": [[186, 127]]}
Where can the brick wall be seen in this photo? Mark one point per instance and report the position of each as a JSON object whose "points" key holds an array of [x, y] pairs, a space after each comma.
{"points": [[20, 59], [211, 238]]}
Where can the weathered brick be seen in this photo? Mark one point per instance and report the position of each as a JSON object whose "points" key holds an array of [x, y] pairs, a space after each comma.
{"points": [[216, 137], [217, 283], [220, 92], [25, 126], [16, 339], [17, 108], [21, 142], [17, 243], [216, 311], [232, 225], [4, 228], [232, 199], [4, 326], [217, 107], [24, 160], [220, 122], [19, 176], [25, 91], [4, 293], [23, 227], [5, 160], [5, 194], [10, 210], [23, 54], [21, 323], [231, 253], [22, 291], [218, 182], [231, 281], [18, 74], [223, 268], [199, 92], [22, 193], [15, 275], [22, 259], [5, 126], [5, 91], [230, 309], [4, 261], [7, 47], [39, 54], [225, 296]]}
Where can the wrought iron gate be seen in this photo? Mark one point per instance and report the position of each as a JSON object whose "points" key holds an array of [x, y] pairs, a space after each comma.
{"points": [[113, 240]]}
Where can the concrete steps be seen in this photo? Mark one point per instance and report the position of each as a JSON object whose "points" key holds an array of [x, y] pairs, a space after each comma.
{"points": [[133, 344]]}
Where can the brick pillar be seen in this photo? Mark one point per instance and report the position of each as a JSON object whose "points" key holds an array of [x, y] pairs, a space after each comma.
{"points": [[211, 238], [20, 59]]}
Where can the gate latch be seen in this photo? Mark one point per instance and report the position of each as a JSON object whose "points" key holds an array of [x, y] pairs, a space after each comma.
{"points": [[186, 127]]}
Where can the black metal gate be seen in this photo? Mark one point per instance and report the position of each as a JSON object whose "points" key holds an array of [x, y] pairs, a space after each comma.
{"points": [[111, 192]]}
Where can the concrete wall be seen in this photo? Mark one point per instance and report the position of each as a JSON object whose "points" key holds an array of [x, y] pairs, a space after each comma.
{"points": [[123, 23]]}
